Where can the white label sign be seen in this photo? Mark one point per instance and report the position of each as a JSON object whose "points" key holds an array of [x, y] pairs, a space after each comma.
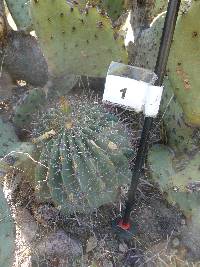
{"points": [[133, 94]]}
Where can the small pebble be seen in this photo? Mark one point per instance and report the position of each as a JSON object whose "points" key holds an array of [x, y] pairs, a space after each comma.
{"points": [[123, 247], [183, 222], [91, 244]]}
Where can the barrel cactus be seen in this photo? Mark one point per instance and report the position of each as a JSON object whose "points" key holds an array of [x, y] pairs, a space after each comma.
{"points": [[84, 157], [69, 39], [7, 233]]}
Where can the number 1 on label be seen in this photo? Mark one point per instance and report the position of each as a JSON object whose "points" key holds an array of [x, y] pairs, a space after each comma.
{"points": [[123, 93]]}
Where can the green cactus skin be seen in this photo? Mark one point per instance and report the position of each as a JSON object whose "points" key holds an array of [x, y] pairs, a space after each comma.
{"points": [[178, 176], [20, 11], [177, 171], [147, 45], [180, 136], [85, 163], [13, 153], [184, 67], [21, 156], [73, 42], [114, 8], [24, 59], [176, 168], [159, 6], [30, 104], [7, 137], [7, 233], [62, 85]]}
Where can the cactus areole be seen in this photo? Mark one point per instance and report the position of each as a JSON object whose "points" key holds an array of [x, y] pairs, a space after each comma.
{"points": [[83, 159]]}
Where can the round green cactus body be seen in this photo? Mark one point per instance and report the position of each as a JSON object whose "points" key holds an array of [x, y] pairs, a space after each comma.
{"points": [[74, 42], [7, 233], [85, 162]]}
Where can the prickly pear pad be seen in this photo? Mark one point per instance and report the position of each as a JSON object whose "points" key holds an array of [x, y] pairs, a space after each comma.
{"points": [[20, 11], [73, 42], [7, 233], [184, 66]]}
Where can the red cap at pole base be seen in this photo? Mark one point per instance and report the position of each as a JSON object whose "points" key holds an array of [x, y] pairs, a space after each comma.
{"points": [[124, 226], [123, 230]]}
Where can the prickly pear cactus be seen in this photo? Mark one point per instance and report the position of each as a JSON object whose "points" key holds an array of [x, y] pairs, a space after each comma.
{"points": [[13, 153], [146, 47], [177, 171], [30, 104], [184, 65], [114, 8], [74, 42], [24, 59], [7, 137], [175, 168], [179, 135], [3, 26], [158, 7], [83, 159], [7, 233], [178, 176], [20, 11]]}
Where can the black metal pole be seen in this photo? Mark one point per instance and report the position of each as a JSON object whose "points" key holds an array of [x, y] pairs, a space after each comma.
{"points": [[167, 36]]}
